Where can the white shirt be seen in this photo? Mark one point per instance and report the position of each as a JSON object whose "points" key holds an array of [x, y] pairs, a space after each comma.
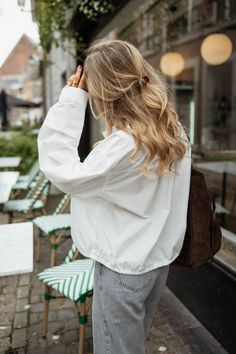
{"points": [[120, 218]]}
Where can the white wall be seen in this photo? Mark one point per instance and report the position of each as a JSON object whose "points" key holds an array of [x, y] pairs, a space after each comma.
{"points": [[61, 62]]}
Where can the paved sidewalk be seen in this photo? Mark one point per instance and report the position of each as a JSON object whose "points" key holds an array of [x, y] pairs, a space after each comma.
{"points": [[174, 330]]}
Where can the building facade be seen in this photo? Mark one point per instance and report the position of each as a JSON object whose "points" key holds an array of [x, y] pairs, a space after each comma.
{"points": [[58, 67], [20, 79], [205, 93]]}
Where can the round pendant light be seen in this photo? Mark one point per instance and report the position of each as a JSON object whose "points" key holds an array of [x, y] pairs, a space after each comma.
{"points": [[216, 48], [172, 64]]}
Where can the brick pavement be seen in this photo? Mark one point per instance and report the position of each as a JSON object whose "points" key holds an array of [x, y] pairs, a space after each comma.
{"points": [[174, 329]]}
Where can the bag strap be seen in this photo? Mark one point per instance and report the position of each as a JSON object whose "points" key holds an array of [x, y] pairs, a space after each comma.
{"points": [[214, 205]]}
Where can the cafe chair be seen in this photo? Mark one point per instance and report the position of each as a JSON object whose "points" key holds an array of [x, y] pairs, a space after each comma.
{"points": [[25, 182], [33, 204], [54, 227], [72, 279]]}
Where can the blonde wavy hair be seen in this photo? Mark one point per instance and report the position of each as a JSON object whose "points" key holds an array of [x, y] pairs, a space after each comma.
{"points": [[121, 95]]}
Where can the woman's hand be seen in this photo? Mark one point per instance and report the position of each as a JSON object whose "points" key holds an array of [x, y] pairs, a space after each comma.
{"points": [[78, 79]]}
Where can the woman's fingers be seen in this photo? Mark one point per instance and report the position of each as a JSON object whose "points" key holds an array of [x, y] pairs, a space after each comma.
{"points": [[77, 76], [76, 80], [70, 81], [79, 70], [82, 83]]}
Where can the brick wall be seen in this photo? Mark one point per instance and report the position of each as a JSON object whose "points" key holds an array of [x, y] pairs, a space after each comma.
{"points": [[18, 60]]}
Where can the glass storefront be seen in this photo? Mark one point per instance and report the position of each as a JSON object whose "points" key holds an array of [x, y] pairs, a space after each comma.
{"points": [[203, 34], [218, 128]]}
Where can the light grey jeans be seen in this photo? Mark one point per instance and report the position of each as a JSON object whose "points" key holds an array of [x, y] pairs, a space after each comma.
{"points": [[123, 309]]}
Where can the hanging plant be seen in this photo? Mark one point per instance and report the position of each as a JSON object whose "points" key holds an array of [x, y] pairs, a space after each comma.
{"points": [[54, 16]]}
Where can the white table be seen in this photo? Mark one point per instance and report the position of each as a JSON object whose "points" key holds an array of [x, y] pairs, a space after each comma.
{"points": [[16, 248], [7, 180], [10, 162]]}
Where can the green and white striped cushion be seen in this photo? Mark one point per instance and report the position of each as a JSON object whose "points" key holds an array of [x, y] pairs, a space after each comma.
{"points": [[24, 181], [70, 256], [25, 185], [21, 185], [63, 201], [23, 178], [32, 173], [22, 206], [33, 189], [73, 280], [50, 224]]}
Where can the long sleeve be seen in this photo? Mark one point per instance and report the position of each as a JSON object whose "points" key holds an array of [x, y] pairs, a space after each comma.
{"points": [[58, 140]]}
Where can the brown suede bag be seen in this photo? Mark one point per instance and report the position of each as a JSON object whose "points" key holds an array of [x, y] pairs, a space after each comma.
{"points": [[203, 234]]}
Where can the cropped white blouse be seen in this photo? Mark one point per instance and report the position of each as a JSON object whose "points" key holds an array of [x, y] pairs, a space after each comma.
{"points": [[120, 218]]}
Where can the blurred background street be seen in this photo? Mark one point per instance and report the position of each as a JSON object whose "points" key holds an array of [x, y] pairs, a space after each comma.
{"points": [[193, 44]]}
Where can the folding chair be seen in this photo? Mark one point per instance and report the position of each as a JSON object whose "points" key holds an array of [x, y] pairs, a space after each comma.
{"points": [[55, 227], [34, 203], [74, 280]]}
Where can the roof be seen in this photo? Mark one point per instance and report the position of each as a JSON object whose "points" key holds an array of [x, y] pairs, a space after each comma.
{"points": [[13, 101], [13, 42]]}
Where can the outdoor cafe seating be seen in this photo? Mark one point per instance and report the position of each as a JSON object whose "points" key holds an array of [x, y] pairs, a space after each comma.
{"points": [[24, 182], [33, 203], [72, 279], [55, 227]]}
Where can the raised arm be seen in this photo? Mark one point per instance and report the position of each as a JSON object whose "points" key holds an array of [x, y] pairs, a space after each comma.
{"points": [[58, 140]]}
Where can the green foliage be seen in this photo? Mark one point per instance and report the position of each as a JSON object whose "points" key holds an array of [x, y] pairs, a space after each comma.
{"points": [[20, 145], [54, 18]]}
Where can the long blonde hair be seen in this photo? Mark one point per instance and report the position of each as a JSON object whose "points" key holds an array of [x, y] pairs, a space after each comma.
{"points": [[122, 97]]}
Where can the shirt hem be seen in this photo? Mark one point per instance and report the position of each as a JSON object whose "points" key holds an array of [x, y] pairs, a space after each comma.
{"points": [[118, 270]]}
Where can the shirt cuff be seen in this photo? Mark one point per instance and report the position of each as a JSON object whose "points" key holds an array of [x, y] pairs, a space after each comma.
{"points": [[74, 95], [67, 115]]}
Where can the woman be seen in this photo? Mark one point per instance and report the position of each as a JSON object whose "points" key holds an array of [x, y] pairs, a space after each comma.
{"points": [[130, 195]]}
